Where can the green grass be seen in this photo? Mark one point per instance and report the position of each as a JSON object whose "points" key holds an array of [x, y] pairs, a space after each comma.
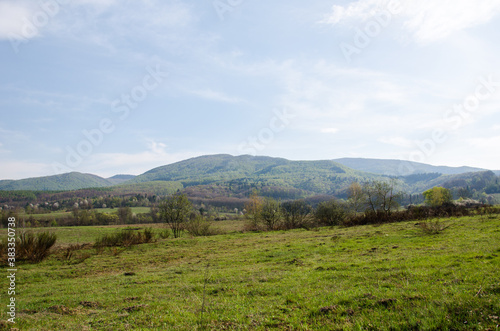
{"points": [[135, 210], [68, 214], [48, 216], [388, 277]]}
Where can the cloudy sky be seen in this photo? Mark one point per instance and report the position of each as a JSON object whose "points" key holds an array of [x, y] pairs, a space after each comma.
{"points": [[108, 86]]}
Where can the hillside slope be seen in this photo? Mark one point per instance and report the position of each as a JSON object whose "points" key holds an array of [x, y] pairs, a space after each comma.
{"points": [[401, 168], [64, 182], [248, 172]]}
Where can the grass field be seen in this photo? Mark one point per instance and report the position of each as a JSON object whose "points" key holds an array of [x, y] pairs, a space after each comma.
{"points": [[387, 277], [68, 214]]}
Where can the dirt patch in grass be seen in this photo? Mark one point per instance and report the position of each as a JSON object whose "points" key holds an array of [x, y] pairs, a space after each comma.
{"points": [[61, 310], [134, 308]]}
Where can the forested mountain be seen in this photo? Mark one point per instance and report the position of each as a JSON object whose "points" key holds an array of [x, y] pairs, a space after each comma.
{"points": [[241, 173], [64, 182], [235, 177], [119, 179], [401, 168]]}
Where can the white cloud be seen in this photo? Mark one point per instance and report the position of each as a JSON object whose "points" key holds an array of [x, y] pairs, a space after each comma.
{"points": [[102, 21], [216, 96], [14, 17], [359, 10], [430, 20], [13, 169], [486, 143], [329, 130], [157, 154], [397, 141], [425, 20]]}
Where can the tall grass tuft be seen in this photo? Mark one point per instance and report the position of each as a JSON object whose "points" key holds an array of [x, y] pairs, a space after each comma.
{"points": [[35, 247], [432, 227], [200, 227], [3, 252], [125, 238]]}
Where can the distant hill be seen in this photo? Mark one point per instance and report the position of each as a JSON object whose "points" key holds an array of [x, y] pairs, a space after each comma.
{"points": [[120, 179], [286, 178], [64, 182], [401, 168], [235, 177]]}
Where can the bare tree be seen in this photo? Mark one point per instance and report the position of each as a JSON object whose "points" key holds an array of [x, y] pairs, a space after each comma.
{"points": [[175, 210], [357, 197], [295, 213], [271, 213], [381, 196]]}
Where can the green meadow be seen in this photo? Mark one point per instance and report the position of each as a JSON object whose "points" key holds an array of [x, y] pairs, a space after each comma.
{"points": [[69, 214], [384, 277]]}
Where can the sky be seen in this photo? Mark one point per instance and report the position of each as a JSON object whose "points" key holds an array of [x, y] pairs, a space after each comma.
{"points": [[120, 87]]}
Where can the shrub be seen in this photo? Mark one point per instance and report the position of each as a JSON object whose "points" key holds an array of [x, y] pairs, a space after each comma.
{"points": [[3, 252], [271, 214], [107, 219], [330, 213], [164, 234], [253, 213], [125, 238], [296, 214], [199, 227], [432, 227], [148, 235], [438, 196], [35, 247]]}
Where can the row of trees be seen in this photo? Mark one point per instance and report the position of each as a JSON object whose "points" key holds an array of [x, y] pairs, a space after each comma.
{"points": [[366, 203], [110, 201], [376, 199]]}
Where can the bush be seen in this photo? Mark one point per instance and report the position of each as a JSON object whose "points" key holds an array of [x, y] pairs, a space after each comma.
{"points": [[107, 219], [199, 227], [148, 235], [331, 213], [34, 247], [432, 227], [270, 214], [164, 234], [296, 214], [125, 238], [3, 252]]}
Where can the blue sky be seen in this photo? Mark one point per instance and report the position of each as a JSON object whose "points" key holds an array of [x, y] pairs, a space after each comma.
{"points": [[109, 87]]}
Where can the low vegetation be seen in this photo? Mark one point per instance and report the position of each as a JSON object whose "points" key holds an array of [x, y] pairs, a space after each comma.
{"points": [[373, 277], [125, 238], [360, 263], [30, 246]]}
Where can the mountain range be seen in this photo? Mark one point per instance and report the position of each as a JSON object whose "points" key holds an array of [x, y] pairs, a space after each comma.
{"points": [[399, 168], [236, 175]]}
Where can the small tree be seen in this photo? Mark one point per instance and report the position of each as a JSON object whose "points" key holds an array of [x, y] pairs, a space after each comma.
{"points": [[124, 215], [253, 211], [330, 212], [175, 210], [295, 213], [380, 196], [270, 213], [438, 196], [357, 198]]}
